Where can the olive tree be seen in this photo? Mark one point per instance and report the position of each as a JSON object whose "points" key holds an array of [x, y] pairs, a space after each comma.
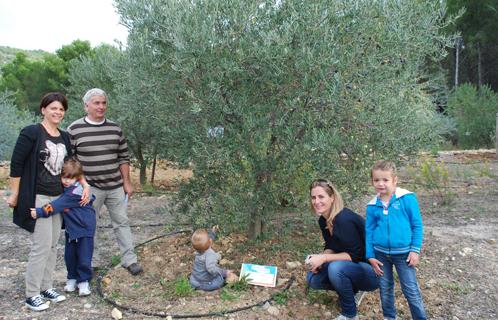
{"points": [[280, 92], [138, 96], [12, 120]]}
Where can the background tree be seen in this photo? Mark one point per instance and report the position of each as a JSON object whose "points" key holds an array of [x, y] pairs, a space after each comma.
{"points": [[139, 97], [92, 71], [477, 26], [145, 92], [474, 111], [30, 79], [75, 50], [296, 90], [11, 122]]}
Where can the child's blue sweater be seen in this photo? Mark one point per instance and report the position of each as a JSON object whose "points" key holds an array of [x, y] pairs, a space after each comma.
{"points": [[80, 221], [397, 230]]}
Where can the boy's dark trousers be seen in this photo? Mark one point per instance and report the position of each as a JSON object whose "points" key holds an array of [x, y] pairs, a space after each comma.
{"points": [[78, 256]]}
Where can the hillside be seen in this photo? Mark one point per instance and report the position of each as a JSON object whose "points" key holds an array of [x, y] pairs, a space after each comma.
{"points": [[7, 54]]}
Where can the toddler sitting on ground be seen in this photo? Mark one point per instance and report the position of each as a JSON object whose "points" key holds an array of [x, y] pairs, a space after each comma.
{"points": [[206, 274]]}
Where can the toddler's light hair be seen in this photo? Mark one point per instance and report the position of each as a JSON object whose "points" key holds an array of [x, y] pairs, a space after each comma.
{"points": [[384, 165], [72, 169], [200, 240]]}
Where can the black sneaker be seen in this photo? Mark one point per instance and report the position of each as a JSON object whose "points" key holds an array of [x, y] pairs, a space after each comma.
{"points": [[36, 303], [52, 295], [134, 268]]}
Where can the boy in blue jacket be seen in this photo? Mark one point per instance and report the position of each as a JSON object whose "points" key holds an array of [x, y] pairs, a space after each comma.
{"points": [[394, 235], [80, 224]]}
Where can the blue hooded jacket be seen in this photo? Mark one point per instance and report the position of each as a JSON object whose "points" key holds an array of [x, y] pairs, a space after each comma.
{"points": [[396, 230], [80, 221]]}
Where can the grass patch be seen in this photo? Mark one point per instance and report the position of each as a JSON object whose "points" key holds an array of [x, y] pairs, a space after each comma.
{"points": [[226, 294], [115, 260], [178, 288], [281, 298], [457, 288], [319, 296]]}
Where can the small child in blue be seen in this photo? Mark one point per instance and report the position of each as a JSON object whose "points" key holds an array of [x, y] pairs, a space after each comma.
{"points": [[80, 224], [394, 235], [206, 274]]}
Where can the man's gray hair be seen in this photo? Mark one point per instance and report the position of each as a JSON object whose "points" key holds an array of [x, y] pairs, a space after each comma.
{"points": [[92, 93]]}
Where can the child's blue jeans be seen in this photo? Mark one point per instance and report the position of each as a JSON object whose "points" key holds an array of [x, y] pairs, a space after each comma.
{"points": [[346, 278], [78, 257], [408, 280]]}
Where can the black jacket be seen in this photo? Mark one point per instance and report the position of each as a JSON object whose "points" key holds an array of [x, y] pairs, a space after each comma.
{"points": [[348, 235], [24, 164]]}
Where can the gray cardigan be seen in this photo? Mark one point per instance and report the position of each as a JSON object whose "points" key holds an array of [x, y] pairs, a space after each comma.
{"points": [[206, 267]]}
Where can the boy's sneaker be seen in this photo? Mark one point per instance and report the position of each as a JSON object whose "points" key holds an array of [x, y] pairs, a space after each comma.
{"points": [[53, 295], [70, 285], [36, 303], [84, 289]]}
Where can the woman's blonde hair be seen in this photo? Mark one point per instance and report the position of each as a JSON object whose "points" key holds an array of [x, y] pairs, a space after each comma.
{"points": [[337, 204], [200, 240]]}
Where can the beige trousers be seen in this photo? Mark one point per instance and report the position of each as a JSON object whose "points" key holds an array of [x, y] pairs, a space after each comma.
{"points": [[43, 255]]}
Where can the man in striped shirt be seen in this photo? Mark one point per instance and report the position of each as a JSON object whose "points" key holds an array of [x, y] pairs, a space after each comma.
{"points": [[100, 146]]}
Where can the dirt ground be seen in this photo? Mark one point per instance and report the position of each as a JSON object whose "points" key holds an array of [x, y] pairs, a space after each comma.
{"points": [[458, 273]]}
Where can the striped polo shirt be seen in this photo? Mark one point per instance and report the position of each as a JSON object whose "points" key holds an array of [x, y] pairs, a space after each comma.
{"points": [[101, 149]]}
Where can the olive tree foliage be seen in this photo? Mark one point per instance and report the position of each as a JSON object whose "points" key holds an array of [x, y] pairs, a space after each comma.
{"points": [[136, 90], [143, 93], [93, 71], [12, 120], [281, 92]]}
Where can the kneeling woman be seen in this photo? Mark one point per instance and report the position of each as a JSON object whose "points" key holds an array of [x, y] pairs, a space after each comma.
{"points": [[342, 266]]}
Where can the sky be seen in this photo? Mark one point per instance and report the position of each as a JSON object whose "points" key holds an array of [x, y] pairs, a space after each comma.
{"points": [[49, 24]]}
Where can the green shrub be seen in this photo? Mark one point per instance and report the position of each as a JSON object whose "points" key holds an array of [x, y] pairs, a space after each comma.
{"points": [[434, 177], [475, 114], [12, 120]]}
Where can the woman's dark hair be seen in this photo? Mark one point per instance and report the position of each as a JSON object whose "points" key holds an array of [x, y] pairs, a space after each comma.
{"points": [[51, 97]]}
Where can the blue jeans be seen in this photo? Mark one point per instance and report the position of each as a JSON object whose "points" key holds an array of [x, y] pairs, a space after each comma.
{"points": [[78, 257], [408, 280], [346, 278]]}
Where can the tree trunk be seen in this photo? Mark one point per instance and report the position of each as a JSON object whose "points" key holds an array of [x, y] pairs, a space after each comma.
{"points": [[143, 165], [457, 60], [143, 173], [255, 226], [479, 66], [153, 173]]}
